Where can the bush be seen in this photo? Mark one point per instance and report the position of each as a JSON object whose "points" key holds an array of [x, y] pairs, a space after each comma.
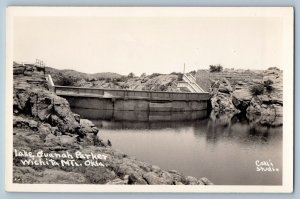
{"points": [[268, 85], [215, 68], [180, 76], [163, 87], [130, 75], [193, 72], [67, 81], [257, 89], [107, 80]]}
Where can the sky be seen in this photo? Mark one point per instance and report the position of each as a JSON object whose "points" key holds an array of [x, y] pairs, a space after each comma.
{"points": [[149, 44]]}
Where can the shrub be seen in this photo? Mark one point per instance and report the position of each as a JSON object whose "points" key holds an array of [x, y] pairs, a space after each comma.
{"points": [[107, 80], [180, 76], [114, 80], [215, 68], [67, 81], [268, 85], [193, 72], [257, 89], [163, 87], [122, 79], [130, 75]]}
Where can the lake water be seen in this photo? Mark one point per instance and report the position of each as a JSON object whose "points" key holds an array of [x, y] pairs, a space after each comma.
{"points": [[225, 151], [225, 154]]}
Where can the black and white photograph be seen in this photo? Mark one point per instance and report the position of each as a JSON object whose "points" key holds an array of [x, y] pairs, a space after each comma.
{"points": [[170, 99]]}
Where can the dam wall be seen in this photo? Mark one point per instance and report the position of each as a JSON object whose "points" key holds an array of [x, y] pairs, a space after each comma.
{"points": [[131, 105]]}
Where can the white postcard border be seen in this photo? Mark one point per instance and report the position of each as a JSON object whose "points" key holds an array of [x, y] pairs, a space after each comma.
{"points": [[286, 13]]}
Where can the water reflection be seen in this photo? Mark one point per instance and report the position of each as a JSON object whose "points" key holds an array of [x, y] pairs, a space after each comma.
{"points": [[140, 116], [223, 148], [238, 126]]}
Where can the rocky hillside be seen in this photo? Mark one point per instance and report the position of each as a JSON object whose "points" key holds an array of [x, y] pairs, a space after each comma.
{"points": [[153, 82], [43, 121], [259, 99]]}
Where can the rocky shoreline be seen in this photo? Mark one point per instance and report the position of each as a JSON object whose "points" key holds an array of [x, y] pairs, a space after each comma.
{"points": [[44, 121], [260, 101]]}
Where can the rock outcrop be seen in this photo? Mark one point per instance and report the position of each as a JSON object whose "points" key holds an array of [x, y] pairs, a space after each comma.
{"points": [[221, 99], [46, 107], [241, 99], [264, 108]]}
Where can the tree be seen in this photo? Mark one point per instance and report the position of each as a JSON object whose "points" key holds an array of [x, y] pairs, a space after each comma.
{"points": [[215, 68], [68, 81], [130, 75], [193, 72]]}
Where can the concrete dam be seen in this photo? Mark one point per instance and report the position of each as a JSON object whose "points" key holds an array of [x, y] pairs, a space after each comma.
{"points": [[133, 105]]}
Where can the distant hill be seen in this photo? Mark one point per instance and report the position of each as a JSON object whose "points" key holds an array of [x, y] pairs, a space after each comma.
{"points": [[60, 76], [106, 75], [153, 82]]}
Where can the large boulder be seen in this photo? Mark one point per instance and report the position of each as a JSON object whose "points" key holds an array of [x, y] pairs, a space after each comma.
{"points": [[21, 100], [241, 99], [206, 181], [134, 178], [19, 121], [47, 107], [41, 104], [153, 179], [88, 127], [274, 79], [254, 107], [221, 97], [225, 86], [44, 130], [193, 181], [222, 103]]}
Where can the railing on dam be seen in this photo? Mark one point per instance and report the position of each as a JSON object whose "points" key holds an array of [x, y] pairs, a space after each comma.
{"points": [[189, 82], [118, 93]]}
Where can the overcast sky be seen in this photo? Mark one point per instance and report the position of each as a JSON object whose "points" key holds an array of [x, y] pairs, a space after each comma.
{"points": [[148, 44]]}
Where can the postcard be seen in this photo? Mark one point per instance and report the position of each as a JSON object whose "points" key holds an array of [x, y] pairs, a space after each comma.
{"points": [[149, 99]]}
